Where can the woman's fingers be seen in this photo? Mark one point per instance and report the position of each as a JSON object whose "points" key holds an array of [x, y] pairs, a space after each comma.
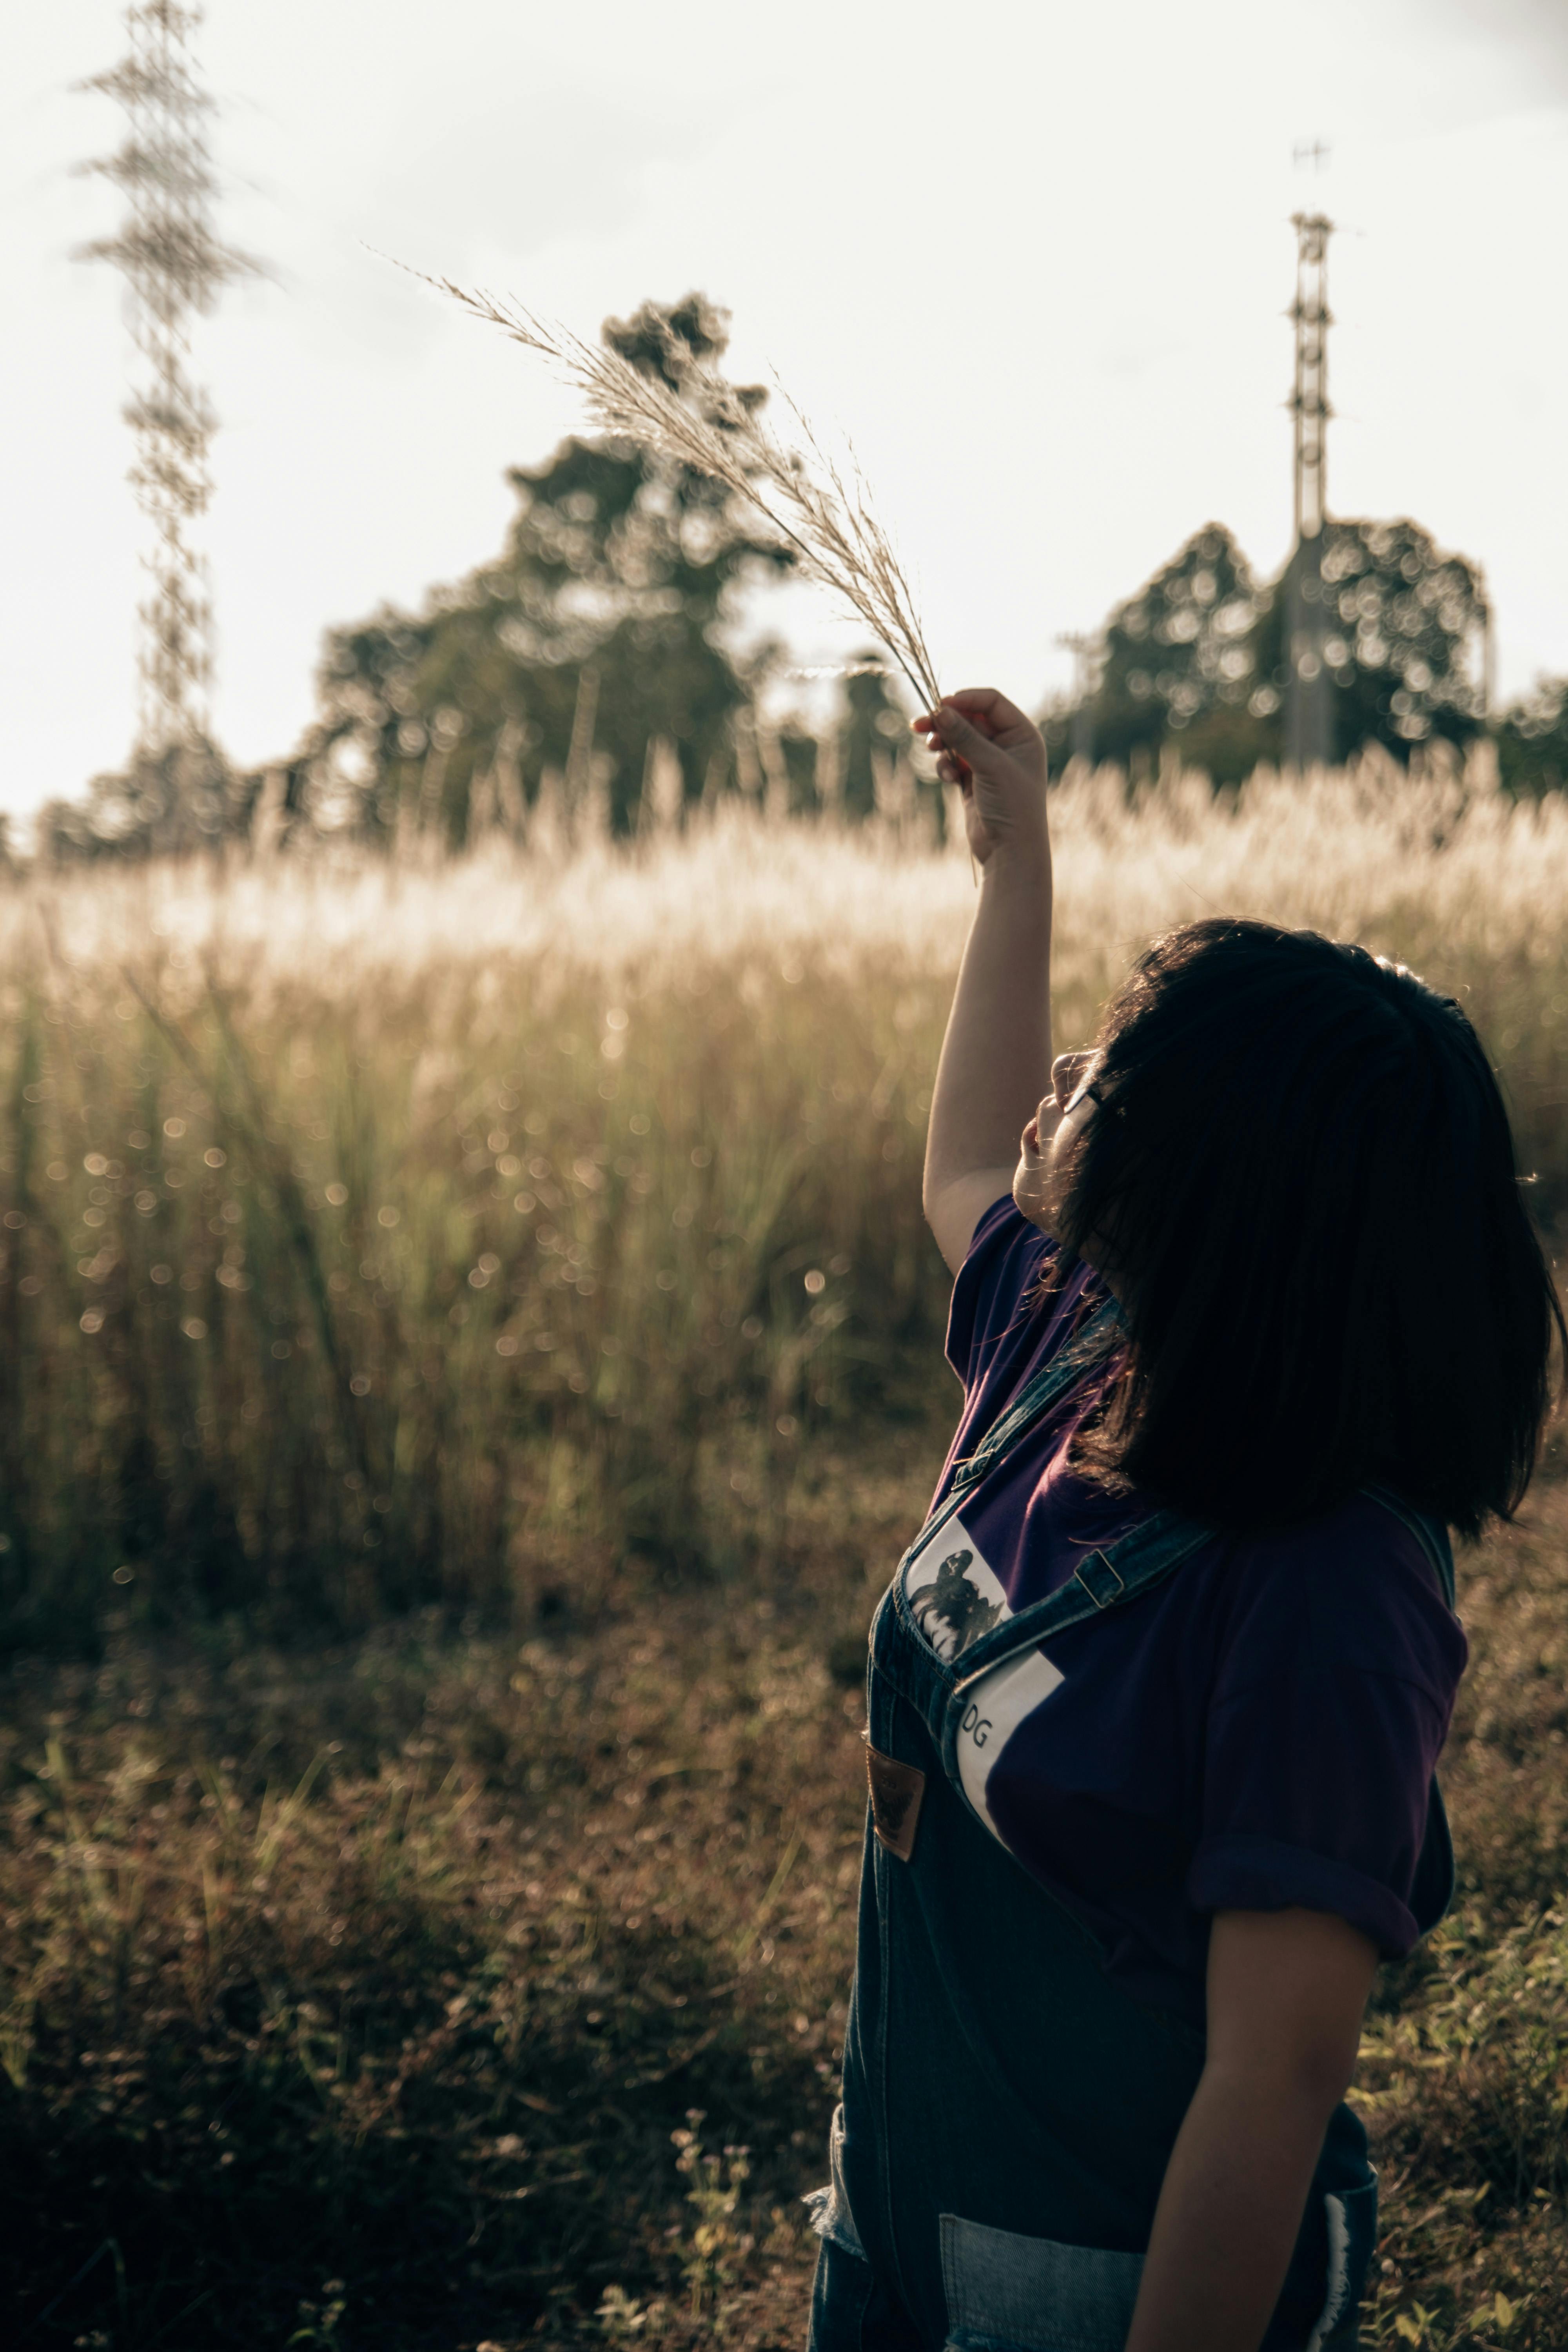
{"points": [[955, 727], [949, 717], [991, 712], [970, 721], [985, 745], [941, 728]]}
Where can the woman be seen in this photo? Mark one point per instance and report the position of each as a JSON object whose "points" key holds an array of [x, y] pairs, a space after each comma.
{"points": [[1250, 1318]]}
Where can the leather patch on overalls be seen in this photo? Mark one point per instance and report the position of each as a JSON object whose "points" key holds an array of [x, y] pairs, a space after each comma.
{"points": [[896, 1792]]}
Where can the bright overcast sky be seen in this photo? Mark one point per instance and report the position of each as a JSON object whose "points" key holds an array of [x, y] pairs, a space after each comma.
{"points": [[1033, 258]]}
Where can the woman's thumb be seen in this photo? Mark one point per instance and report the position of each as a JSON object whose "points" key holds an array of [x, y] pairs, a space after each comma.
{"points": [[963, 741]]}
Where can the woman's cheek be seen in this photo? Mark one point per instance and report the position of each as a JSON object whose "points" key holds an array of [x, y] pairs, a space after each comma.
{"points": [[1032, 1190]]}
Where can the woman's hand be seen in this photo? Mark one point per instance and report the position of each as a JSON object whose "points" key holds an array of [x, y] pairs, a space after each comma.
{"points": [[984, 745]]}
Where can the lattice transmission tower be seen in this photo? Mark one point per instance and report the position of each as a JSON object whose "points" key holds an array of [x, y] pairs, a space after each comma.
{"points": [[175, 267], [1309, 701]]}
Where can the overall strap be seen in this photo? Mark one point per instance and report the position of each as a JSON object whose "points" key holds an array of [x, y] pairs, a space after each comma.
{"points": [[1094, 1343], [1106, 1579], [1103, 1579]]}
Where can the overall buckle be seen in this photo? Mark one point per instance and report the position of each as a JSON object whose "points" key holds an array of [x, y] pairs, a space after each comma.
{"points": [[1098, 1579]]}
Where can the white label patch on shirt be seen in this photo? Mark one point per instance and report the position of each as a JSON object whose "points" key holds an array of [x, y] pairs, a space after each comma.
{"points": [[997, 1706], [954, 1594]]}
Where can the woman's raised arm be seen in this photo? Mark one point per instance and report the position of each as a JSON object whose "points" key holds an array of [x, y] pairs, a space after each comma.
{"points": [[995, 1065]]}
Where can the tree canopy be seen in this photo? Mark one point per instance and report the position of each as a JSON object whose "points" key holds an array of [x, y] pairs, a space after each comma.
{"points": [[591, 667], [1197, 658], [1404, 625], [1533, 739], [596, 633], [1180, 660]]}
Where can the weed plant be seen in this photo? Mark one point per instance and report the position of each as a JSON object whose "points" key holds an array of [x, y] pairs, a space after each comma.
{"points": [[429, 1992], [439, 1981], [471, 1357], [320, 1304], [376, 1237]]}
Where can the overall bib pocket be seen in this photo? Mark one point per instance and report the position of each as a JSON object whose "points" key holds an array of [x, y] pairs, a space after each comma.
{"points": [[829, 2206], [1352, 2223], [1031, 2294]]}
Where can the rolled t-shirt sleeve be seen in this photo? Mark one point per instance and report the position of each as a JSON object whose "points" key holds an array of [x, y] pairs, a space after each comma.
{"points": [[1329, 1713], [1004, 1258]]}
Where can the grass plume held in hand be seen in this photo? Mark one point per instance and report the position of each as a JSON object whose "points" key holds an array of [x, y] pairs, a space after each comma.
{"points": [[714, 427]]}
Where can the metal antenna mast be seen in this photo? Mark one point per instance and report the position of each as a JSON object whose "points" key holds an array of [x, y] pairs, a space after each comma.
{"points": [[1309, 396], [1309, 694], [175, 268]]}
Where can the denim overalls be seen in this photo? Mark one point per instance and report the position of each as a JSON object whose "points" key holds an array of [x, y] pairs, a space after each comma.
{"points": [[1008, 2110]]}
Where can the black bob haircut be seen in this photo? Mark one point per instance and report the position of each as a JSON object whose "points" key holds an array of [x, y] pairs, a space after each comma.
{"points": [[1302, 1179]]}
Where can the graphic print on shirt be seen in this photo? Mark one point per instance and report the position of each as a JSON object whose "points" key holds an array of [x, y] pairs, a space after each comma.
{"points": [[954, 1594], [998, 1705]]}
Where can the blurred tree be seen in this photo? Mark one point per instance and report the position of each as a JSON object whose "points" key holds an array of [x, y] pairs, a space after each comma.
{"points": [[801, 754], [164, 804], [595, 634], [1533, 739], [1404, 627], [1178, 661], [874, 730], [1196, 659]]}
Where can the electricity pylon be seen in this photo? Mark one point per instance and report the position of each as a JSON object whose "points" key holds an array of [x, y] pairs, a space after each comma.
{"points": [[175, 268], [1308, 694]]}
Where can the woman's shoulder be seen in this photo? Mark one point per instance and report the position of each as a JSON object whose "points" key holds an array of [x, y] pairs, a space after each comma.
{"points": [[1007, 1258], [1002, 1239], [1355, 1588]]}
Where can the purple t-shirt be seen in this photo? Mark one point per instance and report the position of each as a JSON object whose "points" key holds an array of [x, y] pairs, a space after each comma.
{"points": [[1260, 1730]]}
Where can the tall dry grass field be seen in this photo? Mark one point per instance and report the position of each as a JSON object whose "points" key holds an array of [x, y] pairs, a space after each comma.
{"points": [[369, 1235], [471, 1351]]}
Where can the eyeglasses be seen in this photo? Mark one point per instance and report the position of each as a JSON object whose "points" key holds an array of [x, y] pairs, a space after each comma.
{"points": [[1090, 1092]]}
